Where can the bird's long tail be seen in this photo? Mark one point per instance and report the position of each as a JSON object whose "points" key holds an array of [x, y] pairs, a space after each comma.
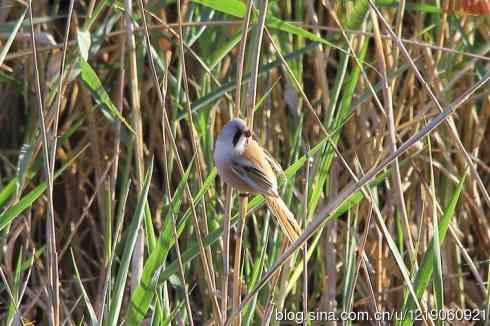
{"points": [[285, 217]]}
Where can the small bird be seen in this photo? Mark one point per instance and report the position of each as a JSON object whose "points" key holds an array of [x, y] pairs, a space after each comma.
{"points": [[245, 166]]}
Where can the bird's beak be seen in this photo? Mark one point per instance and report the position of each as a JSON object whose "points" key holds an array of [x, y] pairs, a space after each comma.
{"points": [[247, 133]]}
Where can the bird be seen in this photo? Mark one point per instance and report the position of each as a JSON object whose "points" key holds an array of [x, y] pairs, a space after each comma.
{"points": [[245, 166]]}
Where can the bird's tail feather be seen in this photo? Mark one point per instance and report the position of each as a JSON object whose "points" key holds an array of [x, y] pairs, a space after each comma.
{"points": [[284, 217]]}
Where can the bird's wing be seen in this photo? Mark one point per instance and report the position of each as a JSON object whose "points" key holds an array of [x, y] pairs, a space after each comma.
{"points": [[254, 176], [274, 164]]}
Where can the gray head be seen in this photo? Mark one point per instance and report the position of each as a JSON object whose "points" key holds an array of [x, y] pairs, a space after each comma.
{"points": [[231, 140], [234, 131]]}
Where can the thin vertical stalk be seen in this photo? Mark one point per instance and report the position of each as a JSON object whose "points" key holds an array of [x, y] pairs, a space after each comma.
{"points": [[52, 256], [305, 246], [319, 56], [136, 261], [388, 101], [134, 88], [120, 107], [438, 283], [229, 190], [237, 283], [170, 196], [241, 58], [226, 252], [54, 133], [249, 106], [275, 280], [360, 259], [252, 87]]}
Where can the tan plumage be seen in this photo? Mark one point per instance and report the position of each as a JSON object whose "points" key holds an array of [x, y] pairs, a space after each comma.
{"points": [[243, 164], [284, 217]]}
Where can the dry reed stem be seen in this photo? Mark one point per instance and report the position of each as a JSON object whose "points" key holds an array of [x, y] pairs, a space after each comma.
{"points": [[319, 57], [138, 254], [54, 133], [250, 100], [52, 256], [229, 190], [397, 180], [305, 247], [361, 260], [169, 192], [241, 58], [226, 253], [274, 285]]}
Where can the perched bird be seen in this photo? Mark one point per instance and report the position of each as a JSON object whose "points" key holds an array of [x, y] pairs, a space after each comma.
{"points": [[245, 166]]}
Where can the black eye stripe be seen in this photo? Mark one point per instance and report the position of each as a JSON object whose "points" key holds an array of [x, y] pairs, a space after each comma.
{"points": [[236, 137]]}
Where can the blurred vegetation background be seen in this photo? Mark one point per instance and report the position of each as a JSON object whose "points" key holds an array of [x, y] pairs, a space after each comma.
{"points": [[378, 112]]}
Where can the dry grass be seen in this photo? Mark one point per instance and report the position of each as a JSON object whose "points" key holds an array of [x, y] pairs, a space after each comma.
{"points": [[378, 112]]}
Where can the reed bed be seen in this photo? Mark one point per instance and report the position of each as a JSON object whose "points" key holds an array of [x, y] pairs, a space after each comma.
{"points": [[111, 210]]}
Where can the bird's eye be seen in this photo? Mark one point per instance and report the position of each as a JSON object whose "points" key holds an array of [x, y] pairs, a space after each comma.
{"points": [[237, 136]]}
